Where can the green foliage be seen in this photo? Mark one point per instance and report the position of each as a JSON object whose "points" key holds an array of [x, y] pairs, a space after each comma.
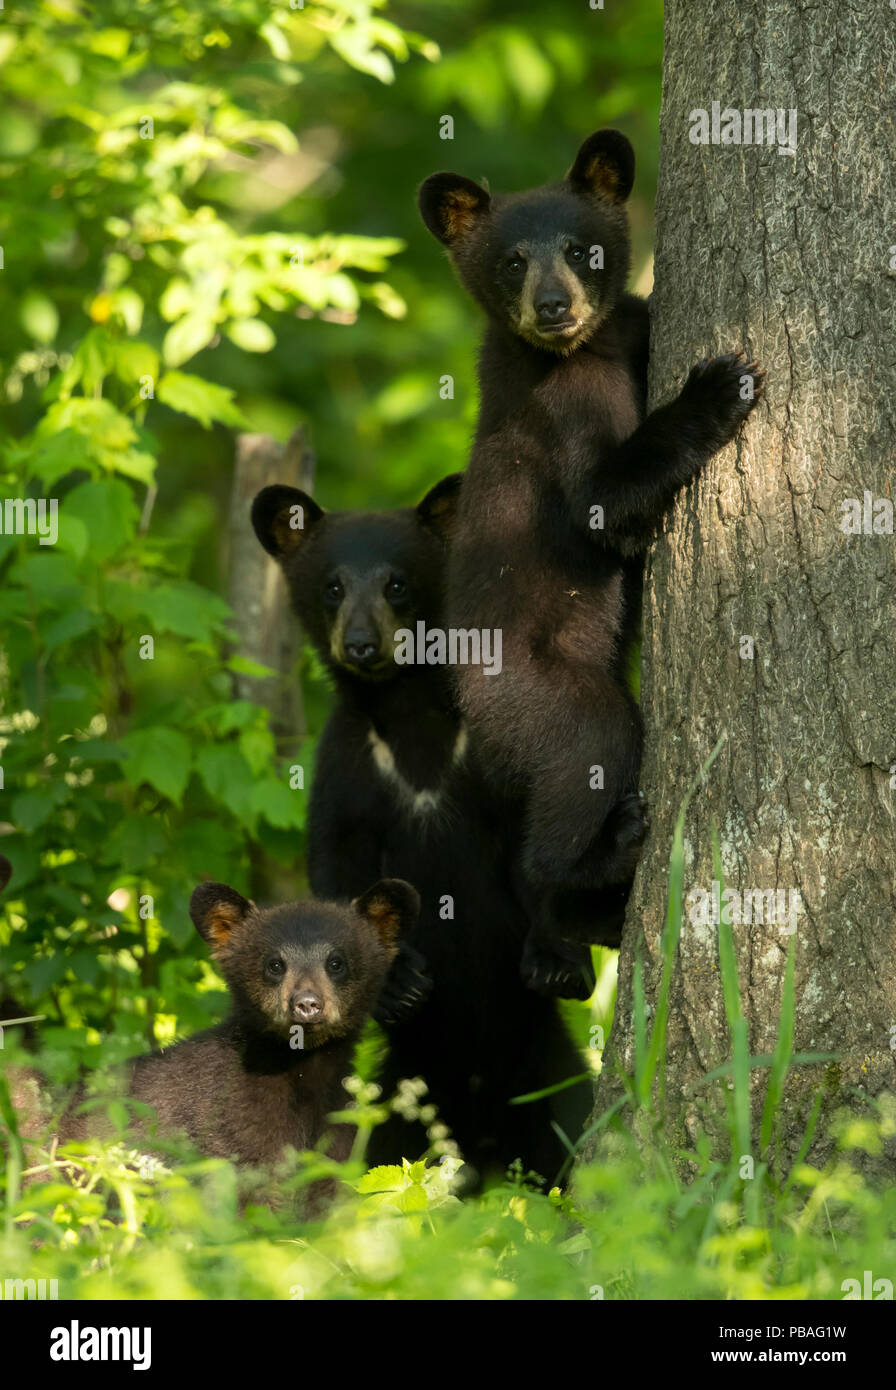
{"points": [[129, 771], [108, 1221], [205, 224], [209, 225]]}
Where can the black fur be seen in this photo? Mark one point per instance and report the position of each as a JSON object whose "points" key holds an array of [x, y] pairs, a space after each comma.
{"points": [[480, 1037], [562, 431]]}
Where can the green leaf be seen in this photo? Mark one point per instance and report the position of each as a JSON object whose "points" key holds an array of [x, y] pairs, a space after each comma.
{"points": [[177, 298], [276, 40], [278, 804], [252, 335], [134, 843], [108, 511], [187, 337], [230, 714], [45, 971], [116, 270], [128, 306], [386, 1178], [73, 535], [257, 747], [224, 770], [70, 625], [131, 361], [342, 292], [413, 1198], [244, 666], [529, 70], [387, 300], [50, 575], [85, 966], [32, 808], [92, 362], [208, 848], [353, 44], [228, 778], [52, 458], [111, 43], [185, 609], [134, 464], [110, 436], [39, 317], [200, 399], [161, 757]]}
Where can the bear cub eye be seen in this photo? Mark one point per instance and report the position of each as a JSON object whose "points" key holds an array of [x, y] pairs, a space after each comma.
{"points": [[274, 969], [336, 966], [515, 265], [333, 590], [396, 588], [576, 254]]}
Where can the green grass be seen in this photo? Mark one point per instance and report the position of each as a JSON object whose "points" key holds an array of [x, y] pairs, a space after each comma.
{"points": [[108, 1222]]}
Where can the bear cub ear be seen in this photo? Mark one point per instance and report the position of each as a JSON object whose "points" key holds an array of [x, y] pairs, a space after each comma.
{"points": [[451, 205], [391, 907], [604, 167], [216, 910], [282, 517], [438, 510], [5, 871]]}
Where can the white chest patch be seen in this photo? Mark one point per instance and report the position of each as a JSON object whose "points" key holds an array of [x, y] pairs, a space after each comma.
{"points": [[423, 802]]}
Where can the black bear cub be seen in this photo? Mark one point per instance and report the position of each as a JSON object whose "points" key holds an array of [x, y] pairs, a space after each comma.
{"points": [[303, 979], [397, 791], [567, 483]]}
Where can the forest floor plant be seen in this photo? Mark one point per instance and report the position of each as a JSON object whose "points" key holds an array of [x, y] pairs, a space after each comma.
{"points": [[642, 1221]]}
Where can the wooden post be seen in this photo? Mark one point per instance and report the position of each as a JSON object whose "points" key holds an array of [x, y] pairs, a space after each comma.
{"points": [[268, 630]]}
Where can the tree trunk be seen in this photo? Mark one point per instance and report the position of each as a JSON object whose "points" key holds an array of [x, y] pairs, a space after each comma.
{"points": [[791, 258], [268, 631]]}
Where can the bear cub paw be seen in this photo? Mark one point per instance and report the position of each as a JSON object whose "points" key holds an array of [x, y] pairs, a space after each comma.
{"points": [[557, 969], [716, 387], [407, 987]]}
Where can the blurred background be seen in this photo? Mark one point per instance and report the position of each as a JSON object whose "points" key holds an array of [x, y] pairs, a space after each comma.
{"points": [[209, 225]]}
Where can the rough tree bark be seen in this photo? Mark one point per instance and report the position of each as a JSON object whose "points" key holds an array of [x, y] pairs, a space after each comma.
{"points": [[791, 258], [268, 631]]}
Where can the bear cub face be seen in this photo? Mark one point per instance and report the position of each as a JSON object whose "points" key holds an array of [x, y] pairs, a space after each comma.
{"points": [[355, 579], [549, 264], [318, 966]]}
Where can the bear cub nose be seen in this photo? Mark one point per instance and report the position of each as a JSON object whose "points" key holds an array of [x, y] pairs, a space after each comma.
{"points": [[361, 652], [307, 1006], [552, 306]]}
